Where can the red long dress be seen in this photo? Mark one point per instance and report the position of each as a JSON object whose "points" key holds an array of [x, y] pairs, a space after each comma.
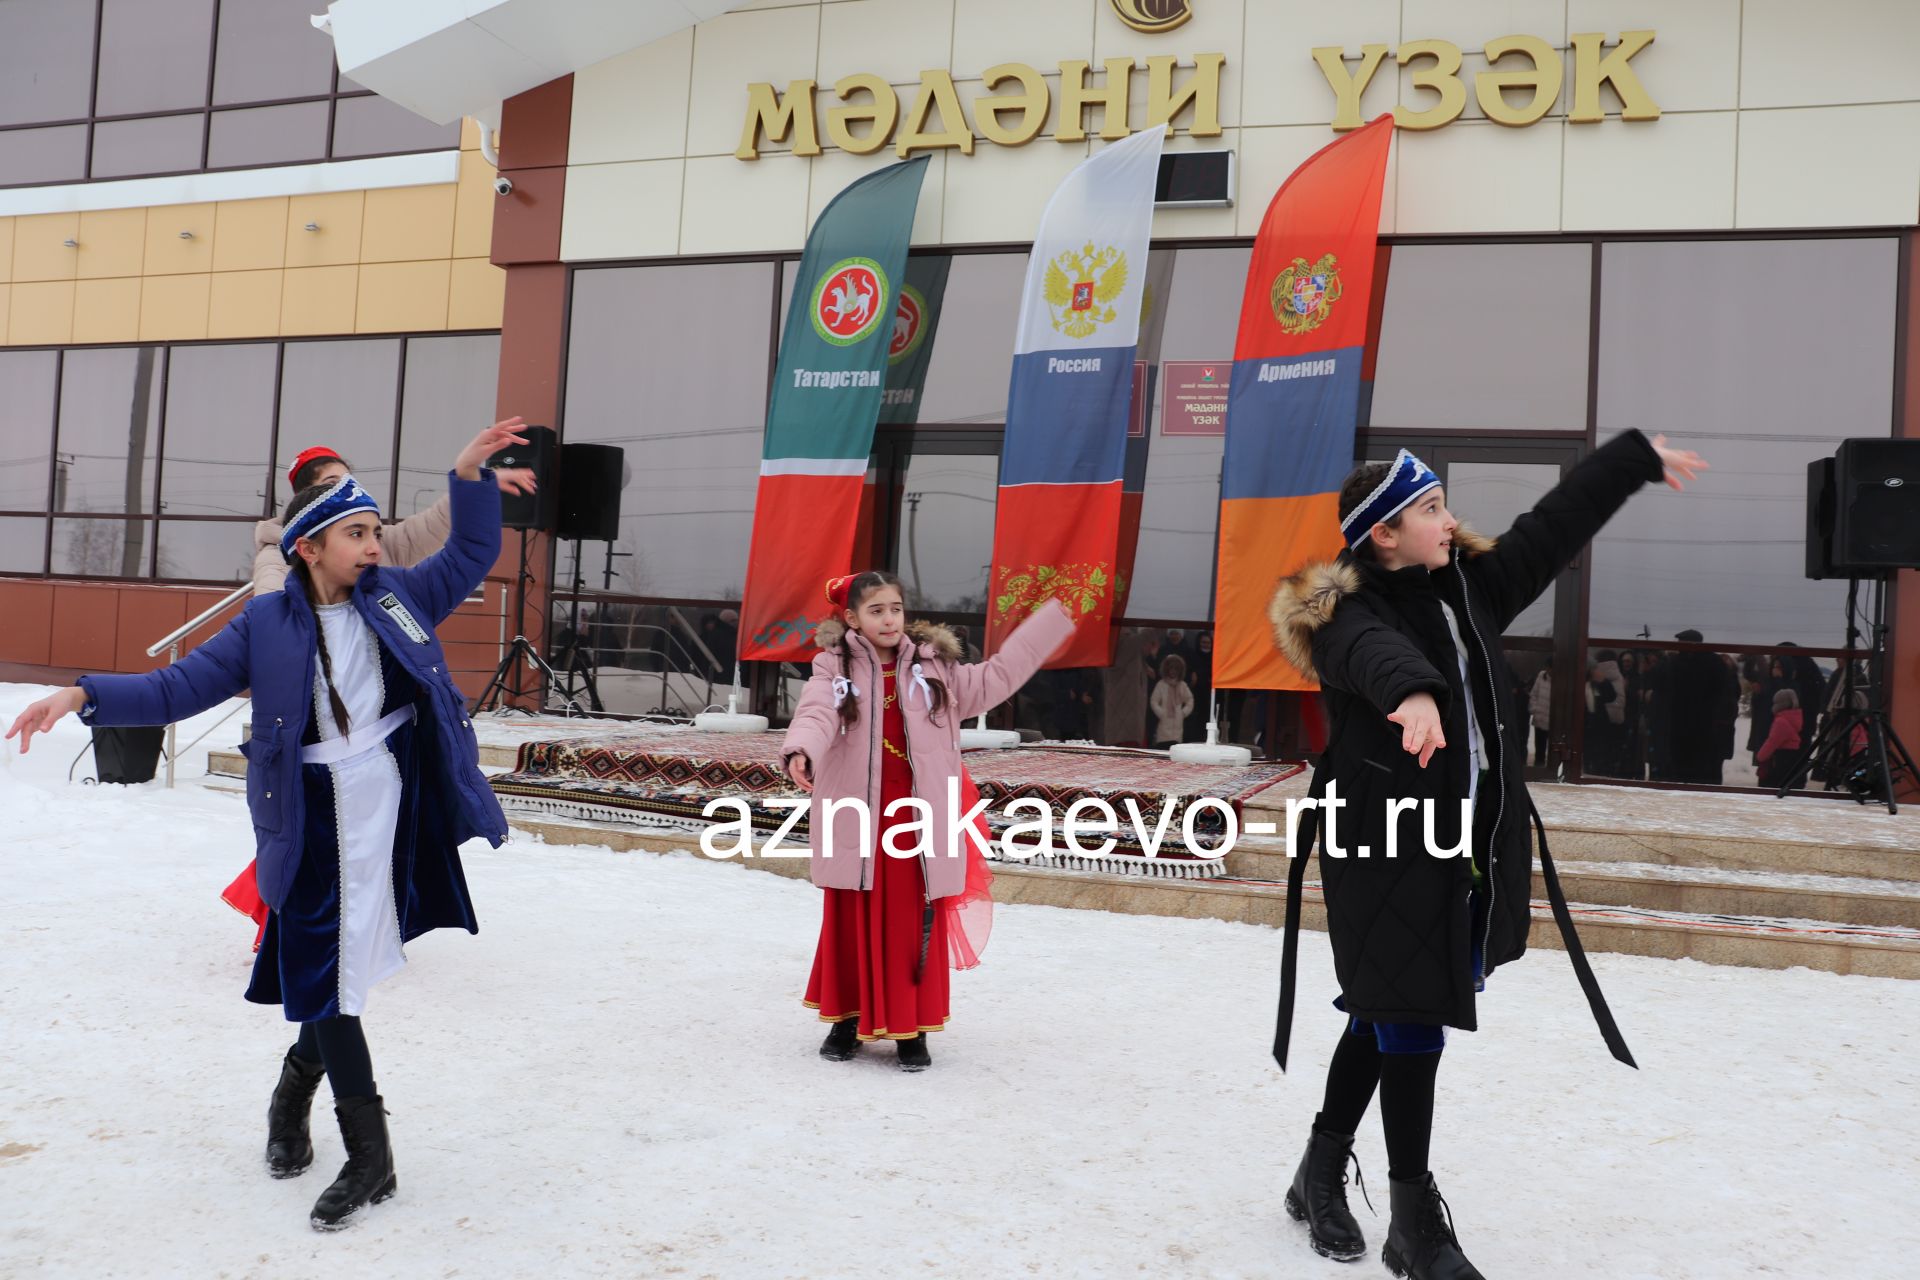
{"points": [[870, 938]]}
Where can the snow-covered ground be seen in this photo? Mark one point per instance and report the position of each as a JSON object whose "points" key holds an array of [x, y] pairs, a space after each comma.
{"points": [[616, 1078]]}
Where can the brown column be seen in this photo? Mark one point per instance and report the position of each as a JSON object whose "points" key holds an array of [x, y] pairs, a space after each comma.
{"points": [[1903, 663], [534, 131]]}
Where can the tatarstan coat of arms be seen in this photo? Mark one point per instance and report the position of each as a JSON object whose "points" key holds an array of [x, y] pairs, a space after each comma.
{"points": [[1081, 287], [1303, 296]]}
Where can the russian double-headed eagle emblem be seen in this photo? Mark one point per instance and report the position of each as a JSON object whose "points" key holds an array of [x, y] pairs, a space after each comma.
{"points": [[1081, 287], [1303, 296]]}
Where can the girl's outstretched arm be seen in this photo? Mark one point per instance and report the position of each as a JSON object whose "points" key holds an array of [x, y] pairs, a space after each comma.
{"points": [[814, 723], [980, 686], [1542, 542]]}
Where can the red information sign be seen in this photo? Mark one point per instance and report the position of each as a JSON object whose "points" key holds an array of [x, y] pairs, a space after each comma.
{"points": [[1195, 397]]}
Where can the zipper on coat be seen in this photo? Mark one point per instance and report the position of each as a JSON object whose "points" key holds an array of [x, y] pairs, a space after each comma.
{"points": [[1499, 769], [875, 736], [926, 871]]}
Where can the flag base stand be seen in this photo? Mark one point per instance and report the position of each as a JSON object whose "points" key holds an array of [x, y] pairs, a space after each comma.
{"points": [[732, 720], [1212, 751], [979, 737]]}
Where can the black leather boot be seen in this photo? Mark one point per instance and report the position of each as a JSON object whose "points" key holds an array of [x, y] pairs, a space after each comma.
{"points": [[914, 1055], [367, 1177], [289, 1146], [1420, 1240], [842, 1042], [1318, 1196]]}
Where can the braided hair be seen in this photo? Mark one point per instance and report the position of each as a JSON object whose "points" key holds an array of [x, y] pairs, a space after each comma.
{"points": [[857, 591], [301, 501]]}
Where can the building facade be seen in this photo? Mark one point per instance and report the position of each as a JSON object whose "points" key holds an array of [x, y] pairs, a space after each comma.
{"points": [[1693, 220]]}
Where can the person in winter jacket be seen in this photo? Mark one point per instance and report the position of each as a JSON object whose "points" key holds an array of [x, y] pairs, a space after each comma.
{"points": [[1540, 713], [363, 779], [1782, 747], [1402, 632], [403, 544], [879, 723], [1171, 702], [1606, 697]]}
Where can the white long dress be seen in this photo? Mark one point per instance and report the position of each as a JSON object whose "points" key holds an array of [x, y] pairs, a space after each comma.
{"points": [[366, 789]]}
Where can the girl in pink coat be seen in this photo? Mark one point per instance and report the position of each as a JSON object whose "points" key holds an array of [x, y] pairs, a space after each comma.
{"points": [[879, 723]]}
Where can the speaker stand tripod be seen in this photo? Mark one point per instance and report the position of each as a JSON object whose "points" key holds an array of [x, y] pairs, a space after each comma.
{"points": [[521, 653], [1886, 757]]}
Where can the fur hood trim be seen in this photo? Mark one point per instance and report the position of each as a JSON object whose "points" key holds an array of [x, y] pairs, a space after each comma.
{"points": [[931, 640]]}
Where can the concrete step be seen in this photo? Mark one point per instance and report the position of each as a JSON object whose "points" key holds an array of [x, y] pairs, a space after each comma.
{"points": [[1753, 941]]}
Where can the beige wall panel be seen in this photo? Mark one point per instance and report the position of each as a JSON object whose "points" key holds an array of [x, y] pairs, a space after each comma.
{"points": [[337, 242], [1288, 86], [476, 294], [999, 194], [408, 224], [1797, 54], [40, 313], [1471, 23], [318, 299], [106, 310], [170, 254], [738, 49], [1474, 176], [112, 243], [245, 304], [174, 308], [629, 210], [1662, 175], [734, 206], [634, 106], [250, 235], [989, 32], [6, 251], [894, 39], [398, 296], [40, 251], [1829, 167]]}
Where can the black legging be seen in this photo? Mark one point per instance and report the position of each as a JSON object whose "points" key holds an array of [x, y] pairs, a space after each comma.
{"points": [[1406, 1083], [341, 1046]]}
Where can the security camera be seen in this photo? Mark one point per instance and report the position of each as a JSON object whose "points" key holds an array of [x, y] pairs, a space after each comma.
{"points": [[503, 185]]}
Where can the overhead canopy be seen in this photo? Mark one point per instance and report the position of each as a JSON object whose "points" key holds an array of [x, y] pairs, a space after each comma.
{"points": [[444, 59]]}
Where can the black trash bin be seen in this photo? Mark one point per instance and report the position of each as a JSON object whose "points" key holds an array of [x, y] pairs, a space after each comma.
{"points": [[128, 754]]}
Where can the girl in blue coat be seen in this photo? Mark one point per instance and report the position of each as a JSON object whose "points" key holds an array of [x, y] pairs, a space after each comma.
{"points": [[362, 781]]}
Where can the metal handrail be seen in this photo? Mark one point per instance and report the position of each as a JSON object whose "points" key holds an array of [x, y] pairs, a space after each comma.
{"points": [[185, 629], [171, 643]]}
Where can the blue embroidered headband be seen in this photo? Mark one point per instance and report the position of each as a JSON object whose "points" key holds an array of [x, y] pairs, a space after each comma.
{"points": [[1406, 480], [345, 498]]}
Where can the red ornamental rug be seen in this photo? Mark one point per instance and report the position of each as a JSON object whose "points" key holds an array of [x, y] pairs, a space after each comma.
{"points": [[663, 777]]}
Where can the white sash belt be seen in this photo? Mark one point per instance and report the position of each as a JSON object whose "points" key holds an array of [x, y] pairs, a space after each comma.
{"points": [[334, 750]]}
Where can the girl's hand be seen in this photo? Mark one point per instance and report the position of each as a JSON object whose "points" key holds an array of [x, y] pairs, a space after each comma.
{"points": [[1681, 464], [485, 445], [1419, 720], [516, 480], [800, 771], [42, 715]]}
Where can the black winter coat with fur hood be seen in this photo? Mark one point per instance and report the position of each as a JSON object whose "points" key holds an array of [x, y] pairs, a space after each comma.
{"points": [[1401, 929]]}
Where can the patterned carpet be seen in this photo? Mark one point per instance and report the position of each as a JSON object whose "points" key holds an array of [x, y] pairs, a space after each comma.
{"points": [[664, 776]]}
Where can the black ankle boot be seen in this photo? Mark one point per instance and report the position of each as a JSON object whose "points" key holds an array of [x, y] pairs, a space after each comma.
{"points": [[1318, 1196], [289, 1147], [367, 1177], [914, 1055], [1420, 1240], [842, 1042]]}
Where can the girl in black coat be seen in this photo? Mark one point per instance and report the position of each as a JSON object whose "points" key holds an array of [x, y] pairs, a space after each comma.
{"points": [[1402, 631]]}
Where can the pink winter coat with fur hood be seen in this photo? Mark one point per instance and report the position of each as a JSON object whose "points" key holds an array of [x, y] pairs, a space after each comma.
{"points": [[848, 764]]}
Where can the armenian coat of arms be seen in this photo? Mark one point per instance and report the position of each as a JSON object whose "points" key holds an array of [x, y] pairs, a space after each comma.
{"points": [[1303, 296], [1081, 287]]}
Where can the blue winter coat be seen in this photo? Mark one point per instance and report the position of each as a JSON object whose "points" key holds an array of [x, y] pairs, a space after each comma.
{"points": [[271, 649]]}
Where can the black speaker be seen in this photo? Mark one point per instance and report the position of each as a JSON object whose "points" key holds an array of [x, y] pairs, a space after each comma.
{"points": [[1876, 509], [128, 755], [591, 476], [539, 509], [1820, 520]]}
